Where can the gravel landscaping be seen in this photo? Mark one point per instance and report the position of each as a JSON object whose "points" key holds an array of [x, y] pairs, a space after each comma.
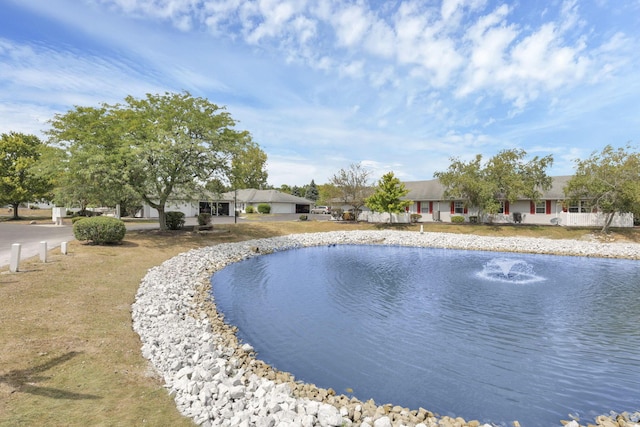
{"points": [[218, 381]]}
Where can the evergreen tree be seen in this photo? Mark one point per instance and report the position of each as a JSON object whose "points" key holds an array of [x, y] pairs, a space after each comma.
{"points": [[312, 192]]}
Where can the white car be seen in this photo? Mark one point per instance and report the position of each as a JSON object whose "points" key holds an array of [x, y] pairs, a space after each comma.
{"points": [[321, 210]]}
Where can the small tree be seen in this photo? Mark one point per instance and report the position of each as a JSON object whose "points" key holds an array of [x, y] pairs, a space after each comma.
{"points": [[388, 196], [312, 191], [608, 181], [20, 181], [352, 186]]}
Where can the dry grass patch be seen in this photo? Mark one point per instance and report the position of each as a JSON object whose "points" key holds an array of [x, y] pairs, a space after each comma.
{"points": [[69, 354]]}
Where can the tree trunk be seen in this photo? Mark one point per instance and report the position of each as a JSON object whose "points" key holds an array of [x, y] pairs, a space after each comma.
{"points": [[162, 219], [15, 207], [608, 219]]}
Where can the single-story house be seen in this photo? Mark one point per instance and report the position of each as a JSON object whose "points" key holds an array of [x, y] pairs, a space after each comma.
{"points": [[226, 203], [280, 203], [552, 208]]}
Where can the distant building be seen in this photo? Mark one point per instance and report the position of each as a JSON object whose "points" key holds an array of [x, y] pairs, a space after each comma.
{"points": [[552, 208], [226, 203]]}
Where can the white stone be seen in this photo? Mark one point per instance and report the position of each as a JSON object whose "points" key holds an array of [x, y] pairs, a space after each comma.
{"points": [[329, 416], [382, 422]]}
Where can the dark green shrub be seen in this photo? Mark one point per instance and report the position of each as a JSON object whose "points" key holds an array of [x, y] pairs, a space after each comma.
{"points": [[77, 218], [250, 209], [204, 219], [457, 219], [174, 220], [99, 229], [303, 217], [264, 208], [415, 217]]}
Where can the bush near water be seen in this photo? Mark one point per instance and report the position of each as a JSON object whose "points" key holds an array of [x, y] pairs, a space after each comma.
{"points": [[99, 229]]}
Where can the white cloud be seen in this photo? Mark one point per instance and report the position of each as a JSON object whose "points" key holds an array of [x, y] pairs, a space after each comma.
{"points": [[522, 64], [274, 16], [179, 12], [353, 69], [351, 25], [41, 73]]}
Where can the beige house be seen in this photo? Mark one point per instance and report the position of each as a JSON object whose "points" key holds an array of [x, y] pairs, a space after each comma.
{"points": [[552, 209]]}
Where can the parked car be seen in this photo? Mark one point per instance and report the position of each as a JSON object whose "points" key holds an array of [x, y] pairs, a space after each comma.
{"points": [[321, 210]]}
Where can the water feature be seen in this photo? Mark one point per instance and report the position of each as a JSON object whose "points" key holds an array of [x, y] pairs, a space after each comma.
{"points": [[487, 336], [509, 270]]}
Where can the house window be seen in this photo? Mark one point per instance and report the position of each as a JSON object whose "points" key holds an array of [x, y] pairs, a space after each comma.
{"points": [[578, 207], [458, 207], [541, 207], [501, 210]]}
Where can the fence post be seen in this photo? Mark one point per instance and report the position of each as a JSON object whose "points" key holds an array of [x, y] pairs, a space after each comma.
{"points": [[43, 251], [15, 257], [63, 248]]}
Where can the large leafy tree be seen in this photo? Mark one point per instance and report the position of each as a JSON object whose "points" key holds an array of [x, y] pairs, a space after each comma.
{"points": [[21, 180], [94, 171], [352, 186], [248, 166], [608, 181], [389, 196], [506, 176], [159, 146]]}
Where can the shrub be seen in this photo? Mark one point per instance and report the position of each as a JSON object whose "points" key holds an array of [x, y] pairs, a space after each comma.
{"points": [[174, 220], [250, 209], [204, 219], [303, 217], [99, 229], [415, 217], [348, 216], [264, 208], [77, 218], [457, 219]]}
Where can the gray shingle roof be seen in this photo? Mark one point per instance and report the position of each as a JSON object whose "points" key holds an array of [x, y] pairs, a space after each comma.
{"points": [[251, 195], [433, 190]]}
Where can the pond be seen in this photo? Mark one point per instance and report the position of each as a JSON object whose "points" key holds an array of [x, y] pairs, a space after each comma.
{"points": [[482, 335]]}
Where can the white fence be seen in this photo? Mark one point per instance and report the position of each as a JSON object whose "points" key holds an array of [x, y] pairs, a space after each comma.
{"points": [[571, 219], [382, 217]]}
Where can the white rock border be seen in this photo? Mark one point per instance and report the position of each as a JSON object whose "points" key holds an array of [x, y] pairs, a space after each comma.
{"points": [[208, 373]]}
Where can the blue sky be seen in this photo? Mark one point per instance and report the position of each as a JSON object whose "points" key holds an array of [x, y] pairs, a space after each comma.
{"points": [[398, 86]]}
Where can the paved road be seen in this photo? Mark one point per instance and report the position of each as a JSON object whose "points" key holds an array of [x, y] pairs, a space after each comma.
{"points": [[29, 237]]}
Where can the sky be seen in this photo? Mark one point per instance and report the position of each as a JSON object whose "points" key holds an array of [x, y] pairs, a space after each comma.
{"points": [[400, 86]]}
